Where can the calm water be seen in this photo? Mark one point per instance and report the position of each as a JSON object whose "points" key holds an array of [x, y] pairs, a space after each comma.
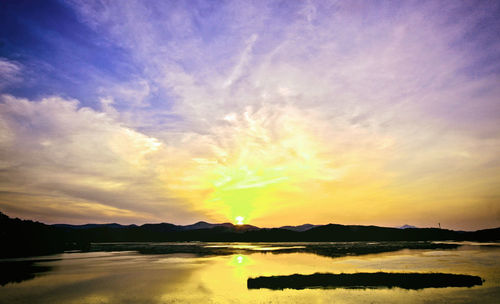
{"points": [[129, 277]]}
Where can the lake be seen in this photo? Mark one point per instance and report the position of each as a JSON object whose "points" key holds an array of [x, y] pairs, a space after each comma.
{"points": [[127, 276]]}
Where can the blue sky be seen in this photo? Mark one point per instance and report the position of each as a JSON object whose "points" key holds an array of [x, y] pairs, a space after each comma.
{"points": [[375, 112], [58, 53]]}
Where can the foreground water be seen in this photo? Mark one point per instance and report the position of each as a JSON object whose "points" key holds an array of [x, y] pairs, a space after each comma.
{"points": [[130, 277]]}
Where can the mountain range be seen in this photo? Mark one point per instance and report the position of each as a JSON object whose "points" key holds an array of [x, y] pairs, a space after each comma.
{"points": [[24, 237], [164, 226]]}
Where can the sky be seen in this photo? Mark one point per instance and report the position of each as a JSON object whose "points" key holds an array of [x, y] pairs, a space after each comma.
{"points": [[279, 112]]}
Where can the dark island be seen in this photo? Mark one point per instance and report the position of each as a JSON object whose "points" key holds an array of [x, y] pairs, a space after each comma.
{"points": [[365, 280]]}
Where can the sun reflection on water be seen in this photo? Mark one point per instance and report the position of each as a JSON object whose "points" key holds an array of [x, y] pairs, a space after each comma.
{"points": [[116, 277], [240, 260]]}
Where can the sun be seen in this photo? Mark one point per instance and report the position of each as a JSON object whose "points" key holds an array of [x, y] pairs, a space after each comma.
{"points": [[239, 220]]}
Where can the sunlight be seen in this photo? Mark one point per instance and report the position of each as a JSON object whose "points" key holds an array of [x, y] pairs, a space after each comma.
{"points": [[240, 260], [260, 166], [239, 220]]}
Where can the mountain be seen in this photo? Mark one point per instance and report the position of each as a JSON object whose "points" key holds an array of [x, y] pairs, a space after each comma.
{"points": [[27, 238], [205, 225], [300, 228], [88, 226], [23, 237], [407, 227], [161, 227]]}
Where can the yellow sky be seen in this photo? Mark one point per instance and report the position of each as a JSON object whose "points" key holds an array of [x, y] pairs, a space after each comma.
{"points": [[282, 113]]}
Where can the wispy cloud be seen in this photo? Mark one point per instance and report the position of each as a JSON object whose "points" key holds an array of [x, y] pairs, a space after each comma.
{"points": [[56, 149], [364, 112], [10, 72]]}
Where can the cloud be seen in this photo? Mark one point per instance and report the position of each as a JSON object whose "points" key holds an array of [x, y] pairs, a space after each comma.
{"points": [[359, 111], [243, 62], [10, 72], [79, 157]]}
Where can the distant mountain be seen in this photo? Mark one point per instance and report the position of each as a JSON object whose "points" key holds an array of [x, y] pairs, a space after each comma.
{"points": [[407, 226], [205, 225], [246, 228], [300, 228], [88, 226], [24, 237], [162, 227]]}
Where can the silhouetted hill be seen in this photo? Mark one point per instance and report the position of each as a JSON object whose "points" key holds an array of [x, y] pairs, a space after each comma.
{"points": [[483, 235], [24, 237], [407, 227], [300, 228], [334, 232], [162, 227], [87, 226], [205, 225]]}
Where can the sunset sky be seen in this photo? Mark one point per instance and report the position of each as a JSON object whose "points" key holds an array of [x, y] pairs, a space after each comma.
{"points": [[281, 112]]}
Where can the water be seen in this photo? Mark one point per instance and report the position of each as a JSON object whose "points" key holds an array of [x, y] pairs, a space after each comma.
{"points": [[130, 277]]}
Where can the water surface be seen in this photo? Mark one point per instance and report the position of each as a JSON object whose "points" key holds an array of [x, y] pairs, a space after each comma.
{"points": [[131, 277]]}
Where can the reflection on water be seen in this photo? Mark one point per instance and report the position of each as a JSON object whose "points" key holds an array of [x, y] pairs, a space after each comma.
{"points": [[18, 271], [255, 247], [129, 277]]}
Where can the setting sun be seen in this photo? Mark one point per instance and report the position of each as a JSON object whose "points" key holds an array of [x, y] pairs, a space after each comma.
{"points": [[249, 151], [239, 220]]}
